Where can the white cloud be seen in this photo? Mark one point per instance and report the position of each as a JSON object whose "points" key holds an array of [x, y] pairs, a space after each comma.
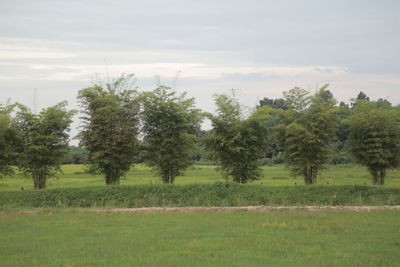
{"points": [[18, 48]]}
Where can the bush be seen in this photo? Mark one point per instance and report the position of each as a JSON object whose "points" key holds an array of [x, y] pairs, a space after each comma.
{"points": [[218, 194]]}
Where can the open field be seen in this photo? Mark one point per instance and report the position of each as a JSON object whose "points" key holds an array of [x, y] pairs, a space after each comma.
{"points": [[278, 175], [281, 238]]}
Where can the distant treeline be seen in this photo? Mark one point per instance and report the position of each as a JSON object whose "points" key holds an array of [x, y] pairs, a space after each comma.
{"points": [[122, 126]]}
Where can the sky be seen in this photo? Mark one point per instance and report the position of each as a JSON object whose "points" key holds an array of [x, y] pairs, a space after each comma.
{"points": [[258, 48]]}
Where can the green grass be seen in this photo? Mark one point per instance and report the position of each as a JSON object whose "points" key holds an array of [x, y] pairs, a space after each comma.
{"points": [[217, 194], [75, 176], [285, 238]]}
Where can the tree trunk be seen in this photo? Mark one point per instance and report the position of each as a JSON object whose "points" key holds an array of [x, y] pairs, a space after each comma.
{"points": [[111, 181], [310, 175], [112, 178], [39, 177], [378, 176]]}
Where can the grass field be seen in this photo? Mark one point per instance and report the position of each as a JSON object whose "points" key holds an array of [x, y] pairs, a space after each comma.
{"points": [[284, 238], [278, 175]]}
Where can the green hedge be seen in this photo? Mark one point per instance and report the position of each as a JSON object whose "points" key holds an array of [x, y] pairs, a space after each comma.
{"points": [[218, 194]]}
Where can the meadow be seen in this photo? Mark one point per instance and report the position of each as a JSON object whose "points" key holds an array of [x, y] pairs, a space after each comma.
{"points": [[280, 238], [62, 233], [73, 176]]}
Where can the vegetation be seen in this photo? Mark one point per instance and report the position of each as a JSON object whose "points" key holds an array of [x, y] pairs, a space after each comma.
{"points": [[374, 138], [76, 176], [284, 238], [216, 194], [236, 144], [8, 140], [43, 141], [170, 127], [308, 130], [111, 127], [75, 155], [122, 127]]}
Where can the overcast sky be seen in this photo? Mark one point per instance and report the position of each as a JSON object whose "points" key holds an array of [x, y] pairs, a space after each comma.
{"points": [[260, 47]]}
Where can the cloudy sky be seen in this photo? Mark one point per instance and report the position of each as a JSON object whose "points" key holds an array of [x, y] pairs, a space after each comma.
{"points": [[203, 47]]}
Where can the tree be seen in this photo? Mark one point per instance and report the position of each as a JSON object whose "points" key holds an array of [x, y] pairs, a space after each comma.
{"points": [[75, 155], [278, 103], [307, 133], [236, 144], [110, 127], [8, 140], [170, 127], [297, 98], [360, 97], [342, 135], [200, 152], [381, 102], [374, 139], [44, 141], [271, 118]]}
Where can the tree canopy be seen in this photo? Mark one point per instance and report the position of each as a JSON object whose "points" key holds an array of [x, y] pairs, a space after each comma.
{"points": [[374, 139], [43, 141], [236, 144], [307, 133], [110, 127], [171, 124], [8, 140]]}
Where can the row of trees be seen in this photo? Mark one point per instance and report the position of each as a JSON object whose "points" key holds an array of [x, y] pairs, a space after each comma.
{"points": [[311, 129], [162, 128]]}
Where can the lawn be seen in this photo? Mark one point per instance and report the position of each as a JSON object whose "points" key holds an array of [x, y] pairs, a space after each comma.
{"points": [[284, 238], [278, 175]]}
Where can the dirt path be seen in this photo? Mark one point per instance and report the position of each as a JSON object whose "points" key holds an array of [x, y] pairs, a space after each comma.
{"points": [[197, 209]]}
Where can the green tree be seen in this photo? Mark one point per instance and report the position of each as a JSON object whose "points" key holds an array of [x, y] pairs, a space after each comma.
{"points": [[75, 155], [8, 140], [278, 103], [374, 138], [272, 118], [297, 98], [236, 144], [360, 97], [170, 126], [342, 135], [44, 141], [110, 127], [307, 134]]}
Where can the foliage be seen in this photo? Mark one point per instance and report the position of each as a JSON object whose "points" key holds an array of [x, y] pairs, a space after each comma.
{"points": [[278, 103], [236, 144], [43, 141], [8, 140], [200, 152], [360, 97], [171, 124], [271, 118], [217, 194], [307, 134], [111, 126], [375, 138], [75, 155], [342, 131], [297, 98]]}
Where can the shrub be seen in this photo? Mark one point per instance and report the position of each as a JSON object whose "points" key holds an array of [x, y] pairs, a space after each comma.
{"points": [[218, 194]]}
